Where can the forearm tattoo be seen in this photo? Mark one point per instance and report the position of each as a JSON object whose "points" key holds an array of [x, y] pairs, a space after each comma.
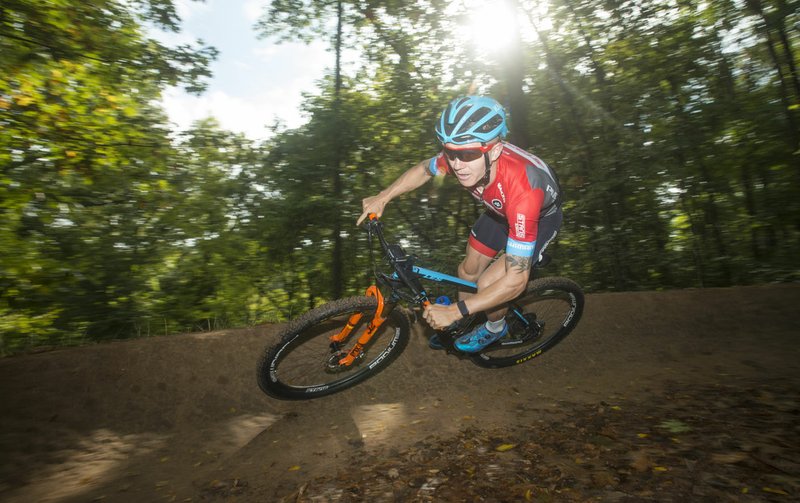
{"points": [[521, 264]]}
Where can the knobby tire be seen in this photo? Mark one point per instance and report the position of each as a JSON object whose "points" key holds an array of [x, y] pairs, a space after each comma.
{"points": [[301, 366], [554, 305]]}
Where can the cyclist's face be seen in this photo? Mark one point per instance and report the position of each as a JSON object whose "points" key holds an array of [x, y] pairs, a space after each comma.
{"points": [[467, 161]]}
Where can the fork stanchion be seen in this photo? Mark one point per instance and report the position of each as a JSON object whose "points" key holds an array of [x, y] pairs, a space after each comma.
{"points": [[374, 325]]}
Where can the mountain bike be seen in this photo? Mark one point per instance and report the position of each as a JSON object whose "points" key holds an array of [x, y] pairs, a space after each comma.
{"points": [[341, 343]]}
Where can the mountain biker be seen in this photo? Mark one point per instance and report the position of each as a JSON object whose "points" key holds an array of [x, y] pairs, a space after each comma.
{"points": [[522, 213]]}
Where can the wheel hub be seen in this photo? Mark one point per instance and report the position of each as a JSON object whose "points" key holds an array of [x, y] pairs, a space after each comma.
{"points": [[333, 366], [520, 332]]}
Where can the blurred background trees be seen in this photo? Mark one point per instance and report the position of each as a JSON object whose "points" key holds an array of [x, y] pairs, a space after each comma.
{"points": [[673, 126]]}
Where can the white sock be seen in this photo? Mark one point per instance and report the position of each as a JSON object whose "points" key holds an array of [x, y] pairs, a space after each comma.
{"points": [[496, 326]]}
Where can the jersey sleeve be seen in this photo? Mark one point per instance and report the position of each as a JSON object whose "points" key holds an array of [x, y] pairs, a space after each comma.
{"points": [[438, 165], [523, 223]]}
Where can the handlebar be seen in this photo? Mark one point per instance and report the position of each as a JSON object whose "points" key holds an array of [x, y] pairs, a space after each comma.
{"points": [[373, 225], [401, 262]]}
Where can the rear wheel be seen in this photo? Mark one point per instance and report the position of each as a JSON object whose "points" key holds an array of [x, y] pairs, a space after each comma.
{"points": [[538, 320], [305, 364]]}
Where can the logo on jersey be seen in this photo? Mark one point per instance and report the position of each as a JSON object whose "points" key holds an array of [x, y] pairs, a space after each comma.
{"points": [[519, 227], [502, 194], [497, 204]]}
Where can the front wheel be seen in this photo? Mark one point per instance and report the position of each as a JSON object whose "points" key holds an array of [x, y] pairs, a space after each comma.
{"points": [[538, 320], [305, 363]]}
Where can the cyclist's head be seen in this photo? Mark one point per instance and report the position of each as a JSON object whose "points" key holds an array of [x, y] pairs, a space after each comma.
{"points": [[471, 119]]}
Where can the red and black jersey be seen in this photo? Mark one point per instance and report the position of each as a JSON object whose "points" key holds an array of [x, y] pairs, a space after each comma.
{"points": [[524, 189]]}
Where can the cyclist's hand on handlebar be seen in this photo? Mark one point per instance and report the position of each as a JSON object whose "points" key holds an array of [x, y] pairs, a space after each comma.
{"points": [[440, 316], [374, 204]]}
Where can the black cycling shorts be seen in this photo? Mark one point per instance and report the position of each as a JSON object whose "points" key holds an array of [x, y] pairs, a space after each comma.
{"points": [[489, 235]]}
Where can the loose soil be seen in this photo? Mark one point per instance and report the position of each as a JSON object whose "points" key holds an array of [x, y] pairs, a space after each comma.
{"points": [[689, 395]]}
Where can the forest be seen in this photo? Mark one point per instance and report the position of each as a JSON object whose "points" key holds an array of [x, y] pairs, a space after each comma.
{"points": [[672, 124]]}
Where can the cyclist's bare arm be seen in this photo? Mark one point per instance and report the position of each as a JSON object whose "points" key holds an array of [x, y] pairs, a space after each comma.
{"points": [[408, 181], [512, 277], [507, 278]]}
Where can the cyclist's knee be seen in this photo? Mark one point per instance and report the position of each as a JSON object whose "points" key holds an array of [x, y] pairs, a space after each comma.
{"points": [[469, 271], [473, 266], [494, 272], [485, 280]]}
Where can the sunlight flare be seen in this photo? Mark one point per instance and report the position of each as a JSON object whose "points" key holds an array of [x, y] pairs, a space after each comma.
{"points": [[489, 26]]}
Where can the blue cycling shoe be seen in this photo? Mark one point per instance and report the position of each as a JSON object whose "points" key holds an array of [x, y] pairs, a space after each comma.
{"points": [[479, 339]]}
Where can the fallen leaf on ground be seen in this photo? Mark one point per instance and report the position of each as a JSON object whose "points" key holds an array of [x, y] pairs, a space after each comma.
{"points": [[640, 461], [675, 426], [729, 457], [774, 491]]}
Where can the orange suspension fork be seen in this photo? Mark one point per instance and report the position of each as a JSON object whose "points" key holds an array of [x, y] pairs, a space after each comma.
{"points": [[374, 325]]}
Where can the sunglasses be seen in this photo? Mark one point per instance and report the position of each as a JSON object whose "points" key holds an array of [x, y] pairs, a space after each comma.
{"points": [[467, 154]]}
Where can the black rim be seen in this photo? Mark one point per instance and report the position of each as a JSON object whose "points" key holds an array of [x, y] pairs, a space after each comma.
{"points": [[547, 315], [308, 363]]}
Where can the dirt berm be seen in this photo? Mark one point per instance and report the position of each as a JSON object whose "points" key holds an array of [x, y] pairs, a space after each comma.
{"points": [[689, 395]]}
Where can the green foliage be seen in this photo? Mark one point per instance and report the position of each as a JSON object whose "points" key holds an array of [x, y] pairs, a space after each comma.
{"points": [[673, 128], [84, 175]]}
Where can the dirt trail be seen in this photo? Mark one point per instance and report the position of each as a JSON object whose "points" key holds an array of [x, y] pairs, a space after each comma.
{"points": [[181, 419]]}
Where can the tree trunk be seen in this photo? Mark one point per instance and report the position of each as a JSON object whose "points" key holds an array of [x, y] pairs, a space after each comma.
{"points": [[793, 132], [336, 258], [513, 69]]}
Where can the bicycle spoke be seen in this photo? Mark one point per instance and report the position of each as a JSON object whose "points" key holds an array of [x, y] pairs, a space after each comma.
{"points": [[537, 321], [306, 361]]}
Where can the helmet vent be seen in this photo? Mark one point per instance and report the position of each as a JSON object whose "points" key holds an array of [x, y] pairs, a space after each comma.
{"points": [[491, 124], [460, 115]]}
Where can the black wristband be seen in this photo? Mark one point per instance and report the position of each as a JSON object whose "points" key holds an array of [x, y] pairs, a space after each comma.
{"points": [[462, 308]]}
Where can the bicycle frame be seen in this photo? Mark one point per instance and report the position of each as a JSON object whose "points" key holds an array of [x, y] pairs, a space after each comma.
{"points": [[439, 277], [406, 276], [345, 341]]}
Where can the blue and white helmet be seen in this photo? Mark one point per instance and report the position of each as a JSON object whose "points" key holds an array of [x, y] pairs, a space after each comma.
{"points": [[471, 119]]}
